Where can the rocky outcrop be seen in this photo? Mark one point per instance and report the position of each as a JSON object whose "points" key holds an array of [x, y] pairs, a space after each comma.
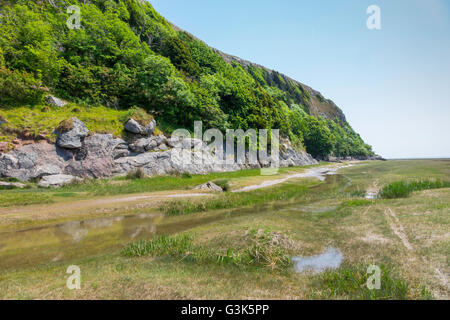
{"points": [[71, 138], [76, 154], [56, 180], [210, 186], [54, 101], [135, 127]]}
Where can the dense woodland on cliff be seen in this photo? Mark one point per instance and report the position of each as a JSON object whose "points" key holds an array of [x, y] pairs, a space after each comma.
{"points": [[126, 55]]}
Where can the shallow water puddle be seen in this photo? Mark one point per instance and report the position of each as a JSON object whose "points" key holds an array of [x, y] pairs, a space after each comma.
{"points": [[330, 259]]}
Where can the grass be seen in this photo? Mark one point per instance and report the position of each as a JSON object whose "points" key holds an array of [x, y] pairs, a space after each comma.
{"points": [[41, 119], [403, 189], [238, 248], [177, 245], [350, 282], [260, 252], [136, 174], [235, 200]]}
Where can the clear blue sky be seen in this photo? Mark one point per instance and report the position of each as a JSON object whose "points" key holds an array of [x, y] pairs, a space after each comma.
{"points": [[393, 84]]}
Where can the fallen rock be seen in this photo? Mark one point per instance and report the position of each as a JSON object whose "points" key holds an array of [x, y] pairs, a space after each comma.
{"points": [[54, 101], [56, 180], [135, 127], [11, 185], [71, 139], [211, 186]]}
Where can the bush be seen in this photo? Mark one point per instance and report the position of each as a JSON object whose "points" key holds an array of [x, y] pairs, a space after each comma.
{"points": [[136, 174], [224, 184], [18, 87]]}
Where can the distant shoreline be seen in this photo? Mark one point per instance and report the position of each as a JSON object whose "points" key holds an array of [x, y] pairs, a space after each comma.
{"points": [[431, 158]]}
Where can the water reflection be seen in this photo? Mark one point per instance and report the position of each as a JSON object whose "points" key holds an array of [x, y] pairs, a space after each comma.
{"points": [[331, 259]]}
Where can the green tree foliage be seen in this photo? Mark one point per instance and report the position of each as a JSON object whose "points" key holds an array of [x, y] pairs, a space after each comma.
{"points": [[318, 138], [126, 54]]}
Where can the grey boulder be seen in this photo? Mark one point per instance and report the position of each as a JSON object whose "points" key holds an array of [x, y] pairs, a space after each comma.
{"points": [[135, 127], [57, 180], [54, 101], [72, 139]]}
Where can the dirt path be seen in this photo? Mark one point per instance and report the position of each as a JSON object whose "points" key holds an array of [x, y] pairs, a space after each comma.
{"points": [[319, 173], [397, 227]]}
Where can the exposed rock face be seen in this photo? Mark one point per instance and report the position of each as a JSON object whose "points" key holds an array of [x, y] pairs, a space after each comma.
{"points": [[72, 139], [134, 127], [34, 161], [54, 101], [102, 155], [57, 180]]}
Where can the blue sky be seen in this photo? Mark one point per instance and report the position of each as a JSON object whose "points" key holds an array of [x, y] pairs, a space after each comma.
{"points": [[393, 84]]}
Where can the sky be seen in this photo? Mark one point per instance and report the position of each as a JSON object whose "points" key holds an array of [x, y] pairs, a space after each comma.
{"points": [[393, 84]]}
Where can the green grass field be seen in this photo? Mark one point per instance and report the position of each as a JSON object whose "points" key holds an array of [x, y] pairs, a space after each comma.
{"points": [[244, 255]]}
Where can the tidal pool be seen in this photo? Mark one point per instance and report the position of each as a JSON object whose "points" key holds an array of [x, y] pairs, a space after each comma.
{"points": [[330, 259]]}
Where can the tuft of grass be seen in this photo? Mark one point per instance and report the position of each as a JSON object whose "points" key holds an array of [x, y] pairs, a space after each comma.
{"points": [[350, 282], [224, 184], [164, 245], [138, 114], [263, 251], [136, 174], [403, 189], [65, 125]]}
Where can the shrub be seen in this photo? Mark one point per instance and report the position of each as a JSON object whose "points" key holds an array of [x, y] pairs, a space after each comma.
{"points": [[186, 175], [17, 87], [224, 184], [136, 174]]}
